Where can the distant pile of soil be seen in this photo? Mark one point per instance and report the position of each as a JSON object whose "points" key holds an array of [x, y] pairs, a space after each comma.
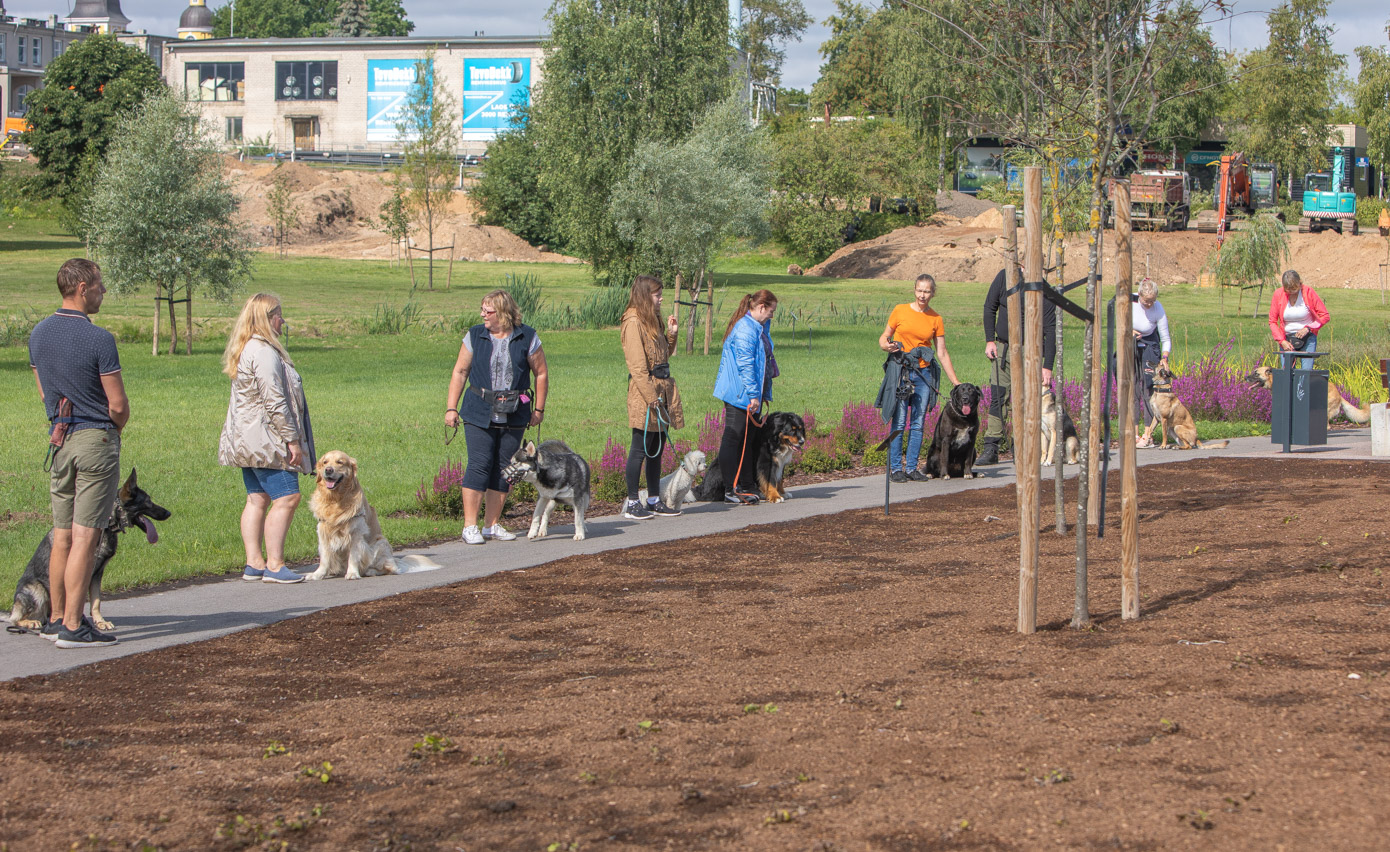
{"points": [[956, 249], [339, 213], [962, 206]]}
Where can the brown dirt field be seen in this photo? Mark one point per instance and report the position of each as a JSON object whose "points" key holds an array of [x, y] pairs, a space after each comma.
{"points": [[956, 249], [339, 208], [850, 682]]}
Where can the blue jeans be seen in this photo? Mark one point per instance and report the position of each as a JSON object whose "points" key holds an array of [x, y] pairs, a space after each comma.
{"points": [[918, 404]]}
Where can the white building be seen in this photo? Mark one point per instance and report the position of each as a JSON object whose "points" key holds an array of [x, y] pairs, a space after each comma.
{"points": [[342, 94]]}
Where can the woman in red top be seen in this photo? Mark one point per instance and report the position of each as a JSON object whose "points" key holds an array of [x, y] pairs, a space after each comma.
{"points": [[1296, 315]]}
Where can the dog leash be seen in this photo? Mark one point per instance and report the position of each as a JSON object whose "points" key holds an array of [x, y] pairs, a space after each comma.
{"points": [[748, 419], [646, 429]]}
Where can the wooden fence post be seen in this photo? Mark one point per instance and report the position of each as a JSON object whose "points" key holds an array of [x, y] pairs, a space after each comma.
{"points": [[1124, 355], [1027, 436]]}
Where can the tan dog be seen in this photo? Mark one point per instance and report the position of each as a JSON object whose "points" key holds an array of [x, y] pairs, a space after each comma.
{"points": [[1070, 441], [1172, 417], [1336, 403], [350, 540]]}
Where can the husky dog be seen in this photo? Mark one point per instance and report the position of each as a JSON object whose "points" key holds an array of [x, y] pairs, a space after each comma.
{"points": [[676, 486], [1069, 441], [558, 473], [134, 508]]}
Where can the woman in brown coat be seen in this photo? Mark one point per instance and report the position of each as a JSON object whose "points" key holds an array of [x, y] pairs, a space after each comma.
{"points": [[653, 403]]}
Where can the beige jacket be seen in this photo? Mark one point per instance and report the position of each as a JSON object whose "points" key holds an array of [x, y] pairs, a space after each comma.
{"points": [[642, 352], [266, 412]]}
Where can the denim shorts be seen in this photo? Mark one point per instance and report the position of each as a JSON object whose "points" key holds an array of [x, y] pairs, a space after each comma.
{"points": [[274, 483]]}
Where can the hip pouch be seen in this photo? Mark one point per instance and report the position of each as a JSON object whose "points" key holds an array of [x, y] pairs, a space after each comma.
{"points": [[61, 423], [661, 371], [502, 402]]}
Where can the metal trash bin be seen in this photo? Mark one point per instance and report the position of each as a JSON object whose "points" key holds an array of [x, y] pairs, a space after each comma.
{"points": [[1299, 413]]}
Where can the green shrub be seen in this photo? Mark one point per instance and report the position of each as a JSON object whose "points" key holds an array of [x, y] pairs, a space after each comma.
{"points": [[526, 290], [874, 457], [872, 225], [389, 319], [1368, 211], [14, 330], [1292, 210], [510, 193]]}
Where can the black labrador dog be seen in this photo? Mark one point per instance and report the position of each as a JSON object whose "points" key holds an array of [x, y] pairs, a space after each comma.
{"points": [[952, 450], [134, 507]]}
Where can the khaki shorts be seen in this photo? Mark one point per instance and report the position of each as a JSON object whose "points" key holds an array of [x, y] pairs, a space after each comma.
{"points": [[85, 478]]}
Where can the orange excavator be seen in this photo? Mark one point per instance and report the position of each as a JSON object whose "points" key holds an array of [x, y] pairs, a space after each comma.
{"points": [[1232, 193]]}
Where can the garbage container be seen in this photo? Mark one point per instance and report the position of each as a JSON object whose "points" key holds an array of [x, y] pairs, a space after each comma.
{"points": [[1299, 413]]}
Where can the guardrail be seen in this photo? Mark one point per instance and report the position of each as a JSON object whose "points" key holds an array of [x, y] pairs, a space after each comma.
{"points": [[355, 158]]}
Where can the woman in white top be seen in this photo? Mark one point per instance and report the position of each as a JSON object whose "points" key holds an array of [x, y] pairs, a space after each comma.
{"points": [[1152, 343]]}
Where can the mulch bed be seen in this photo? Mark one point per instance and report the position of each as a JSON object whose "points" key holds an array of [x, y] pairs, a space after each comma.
{"points": [[846, 682]]}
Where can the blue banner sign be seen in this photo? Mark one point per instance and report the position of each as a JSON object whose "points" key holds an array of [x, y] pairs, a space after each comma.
{"points": [[492, 88], [388, 84]]}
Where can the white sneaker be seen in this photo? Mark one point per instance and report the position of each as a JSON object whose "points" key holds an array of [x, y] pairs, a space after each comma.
{"points": [[471, 535], [496, 531]]}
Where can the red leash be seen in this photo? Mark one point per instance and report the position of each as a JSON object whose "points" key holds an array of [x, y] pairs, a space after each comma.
{"points": [[748, 418]]}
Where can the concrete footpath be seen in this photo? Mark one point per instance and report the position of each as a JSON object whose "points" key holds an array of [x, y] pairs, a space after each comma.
{"points": [[145, 622]]}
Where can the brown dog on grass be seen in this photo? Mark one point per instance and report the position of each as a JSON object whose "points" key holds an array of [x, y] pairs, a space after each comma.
{"points": [[1171, 416], [1336, 403]]}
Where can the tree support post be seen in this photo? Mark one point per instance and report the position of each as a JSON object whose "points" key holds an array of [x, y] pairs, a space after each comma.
{"points": [[1097, 379], [1028, 438], [1124, 354]]}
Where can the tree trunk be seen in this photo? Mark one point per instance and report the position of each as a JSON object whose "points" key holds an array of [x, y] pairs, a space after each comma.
{"points": [[676, 309], [158, 291], [188, 319], [695, 288], [173, 322], [429, 223]]}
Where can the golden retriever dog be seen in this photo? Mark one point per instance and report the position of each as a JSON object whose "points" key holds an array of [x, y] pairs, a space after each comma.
{"points": [[1172, 417], [1336, 403], [350, 540]]}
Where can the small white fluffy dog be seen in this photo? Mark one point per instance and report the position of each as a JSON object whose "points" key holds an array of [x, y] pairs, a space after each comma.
{"points": [[350, 540], [676, 486]]}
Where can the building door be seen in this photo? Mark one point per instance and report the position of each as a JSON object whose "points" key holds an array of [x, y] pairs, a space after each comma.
{"points": [[305, 134]]}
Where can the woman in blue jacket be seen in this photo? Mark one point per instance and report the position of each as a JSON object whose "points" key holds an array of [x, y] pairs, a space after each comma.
{"points": [[746, 370]]}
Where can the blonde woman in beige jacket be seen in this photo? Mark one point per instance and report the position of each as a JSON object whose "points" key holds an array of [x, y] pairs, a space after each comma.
{"points": [[653, 403], [266, 434]]}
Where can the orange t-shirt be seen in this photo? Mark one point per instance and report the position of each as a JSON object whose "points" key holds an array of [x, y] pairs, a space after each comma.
{"points": [[913, 328]]}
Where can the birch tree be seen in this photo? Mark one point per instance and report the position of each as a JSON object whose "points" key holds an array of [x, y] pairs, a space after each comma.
{"points": [[162, 213]]}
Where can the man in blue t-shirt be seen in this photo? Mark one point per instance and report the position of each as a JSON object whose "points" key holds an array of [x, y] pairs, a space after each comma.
{"points": [[74, 359]]}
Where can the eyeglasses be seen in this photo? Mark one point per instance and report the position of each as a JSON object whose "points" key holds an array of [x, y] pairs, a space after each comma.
{"points": [[487, 312]]}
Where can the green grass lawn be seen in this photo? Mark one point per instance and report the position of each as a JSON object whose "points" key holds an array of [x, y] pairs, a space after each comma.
{"points": [[381, 397]]}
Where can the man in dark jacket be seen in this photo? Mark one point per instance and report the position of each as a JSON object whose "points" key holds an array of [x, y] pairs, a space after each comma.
{"points": [[997, 351]]}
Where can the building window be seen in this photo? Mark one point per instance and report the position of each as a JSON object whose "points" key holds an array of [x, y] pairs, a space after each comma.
{"points": [[2, 48], [214, 81], [57, 48], [234, 128], [23, 51], [306, 81], [38, 50]]}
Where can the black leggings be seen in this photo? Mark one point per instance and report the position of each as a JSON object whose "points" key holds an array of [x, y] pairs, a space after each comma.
{"points": [[646, 446], [731, 449]]}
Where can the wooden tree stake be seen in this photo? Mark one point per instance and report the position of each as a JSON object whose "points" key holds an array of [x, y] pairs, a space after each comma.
{"points": [[1028, 438], [1124, 354], [1097, 380]]}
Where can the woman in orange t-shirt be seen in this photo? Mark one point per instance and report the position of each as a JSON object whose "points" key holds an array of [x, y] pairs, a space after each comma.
{"points": [[910, 326]]}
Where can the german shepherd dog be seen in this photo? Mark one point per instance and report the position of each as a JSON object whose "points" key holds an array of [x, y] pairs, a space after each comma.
{"points": [[952, 450], [770, 447], [1336, 403], [1070, 442], [134, 508], [1172, 417], [559, 474]]}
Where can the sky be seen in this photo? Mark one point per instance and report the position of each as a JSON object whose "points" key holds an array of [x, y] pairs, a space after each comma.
{"points": [[1357, 22]]}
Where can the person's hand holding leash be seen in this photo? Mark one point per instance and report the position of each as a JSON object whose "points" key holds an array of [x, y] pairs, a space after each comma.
{"points": [[991, 351], [754, 405], [451, 418], [536, 416]]}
